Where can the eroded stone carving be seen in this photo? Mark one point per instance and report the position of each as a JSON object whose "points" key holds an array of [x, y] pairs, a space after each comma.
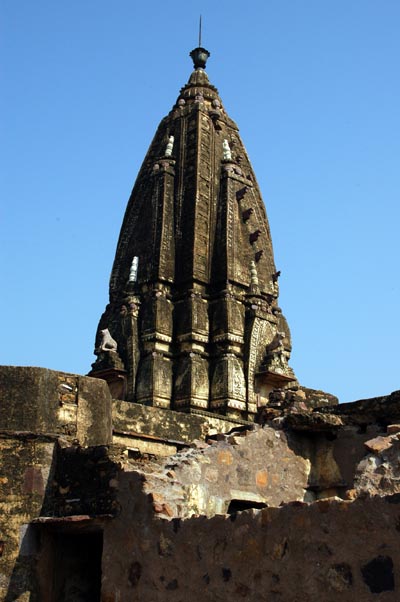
{"points": [[276, 344], [107, 343], [277, 356]]}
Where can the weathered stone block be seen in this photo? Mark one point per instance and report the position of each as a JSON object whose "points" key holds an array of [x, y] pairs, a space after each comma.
{"points": [[45, 401]]}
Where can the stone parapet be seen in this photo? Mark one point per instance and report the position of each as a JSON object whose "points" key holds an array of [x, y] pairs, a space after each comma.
{"points": [[44, 401]]}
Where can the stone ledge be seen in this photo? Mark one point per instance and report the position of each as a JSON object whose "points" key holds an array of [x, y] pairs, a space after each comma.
{"points": [[136, 419]]}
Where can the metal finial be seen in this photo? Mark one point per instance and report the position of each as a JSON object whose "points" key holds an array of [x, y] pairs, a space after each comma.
{"points": [[200, 54], [200, 32]]}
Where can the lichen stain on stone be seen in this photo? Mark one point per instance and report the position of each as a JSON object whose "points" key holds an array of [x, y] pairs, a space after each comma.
{"points": [[225, 457], [262, 478]]}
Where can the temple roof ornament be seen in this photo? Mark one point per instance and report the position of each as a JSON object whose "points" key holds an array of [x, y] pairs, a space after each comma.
{"points": [[199, 57], [170, 147], [133, 270]]}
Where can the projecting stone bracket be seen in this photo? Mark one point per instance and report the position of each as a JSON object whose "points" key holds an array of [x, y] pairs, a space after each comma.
{"points": [[254, 236], [247, 214], [240, 194]]}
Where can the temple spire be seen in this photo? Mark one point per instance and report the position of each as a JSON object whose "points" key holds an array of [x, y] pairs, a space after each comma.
{"points": [[193, 300]]}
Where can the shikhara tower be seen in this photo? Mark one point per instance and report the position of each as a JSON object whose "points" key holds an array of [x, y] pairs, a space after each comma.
{"points": [[193, 322]]}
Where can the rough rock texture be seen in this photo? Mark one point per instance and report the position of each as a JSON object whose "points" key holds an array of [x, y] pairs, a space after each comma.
{"points": [[383, 410], [247, 469], [379, 472]]}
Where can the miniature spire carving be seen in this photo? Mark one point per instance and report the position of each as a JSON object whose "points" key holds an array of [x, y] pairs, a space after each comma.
{"points": [[133, 270], [227, 156], [170, 147], [254, 287]]}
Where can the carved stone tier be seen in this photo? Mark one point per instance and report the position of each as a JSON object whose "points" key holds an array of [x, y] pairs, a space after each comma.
{"points": [[116, 380], [265, 382], [154, 383]]}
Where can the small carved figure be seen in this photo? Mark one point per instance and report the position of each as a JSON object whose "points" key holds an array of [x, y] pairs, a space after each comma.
{"points": [[107, 342], [276, 343]]}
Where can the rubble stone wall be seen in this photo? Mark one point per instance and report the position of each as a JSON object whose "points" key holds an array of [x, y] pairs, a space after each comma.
{"points": [[248, 468], [26, 470], [172, 527], [329, 550]]}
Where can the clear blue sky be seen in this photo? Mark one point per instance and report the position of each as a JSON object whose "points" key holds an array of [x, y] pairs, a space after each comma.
{"points": [[314, 88]]}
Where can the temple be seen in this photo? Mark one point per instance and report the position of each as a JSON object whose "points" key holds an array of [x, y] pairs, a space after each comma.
{"points": [[193, 316], [190, 464]]}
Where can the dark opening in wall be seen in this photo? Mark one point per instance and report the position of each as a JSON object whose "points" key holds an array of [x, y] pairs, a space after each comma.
{"points": [[69, 567], [239, 505], [77, 567]]}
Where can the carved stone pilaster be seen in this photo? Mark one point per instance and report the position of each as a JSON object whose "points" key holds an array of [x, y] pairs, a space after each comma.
{"points": [[154, 380], [259, 332], [191, 387], [154, 377], [129, 321], [228, 386]]}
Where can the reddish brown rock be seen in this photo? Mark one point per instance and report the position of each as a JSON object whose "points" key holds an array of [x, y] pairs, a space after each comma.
{"points": [[378, 444]]}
